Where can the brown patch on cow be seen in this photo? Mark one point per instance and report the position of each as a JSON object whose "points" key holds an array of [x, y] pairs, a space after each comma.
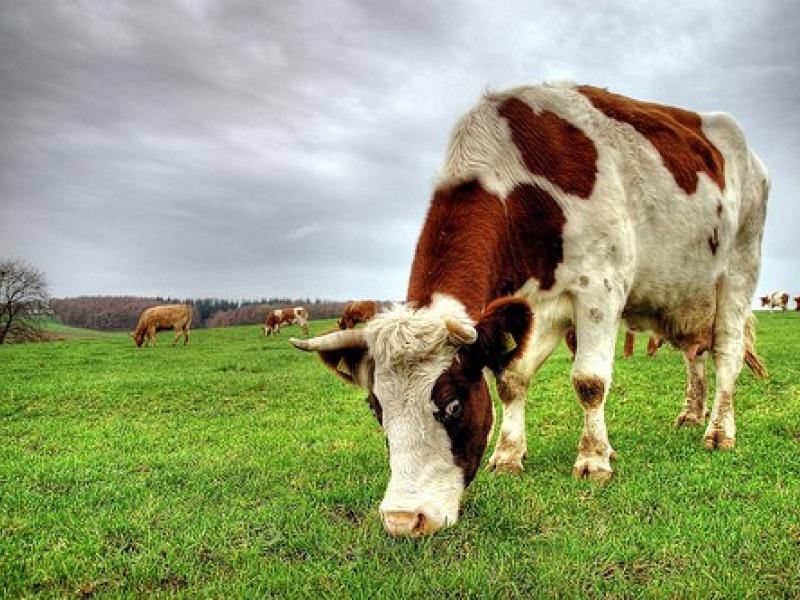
{"points": [[468, 431], [474, 248], [571, 340], [590, 390], [357, 312], [583, 281], [797, 302], [590, 445], [719, 207], [676, 133], [713, 241], [552, 147], [595, 315], [511, 387], [607, 285]]}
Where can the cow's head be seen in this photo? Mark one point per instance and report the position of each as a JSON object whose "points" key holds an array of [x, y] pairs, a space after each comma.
{"points": [[764, 300], [346, 321], [138, 337], [423, 370]]}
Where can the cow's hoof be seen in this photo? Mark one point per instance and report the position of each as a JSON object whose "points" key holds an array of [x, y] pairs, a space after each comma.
{"points": [[505, 464], [689, 418], [595, 468], [717, 439]]}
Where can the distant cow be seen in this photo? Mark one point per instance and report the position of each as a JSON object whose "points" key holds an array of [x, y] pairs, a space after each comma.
{"points": [[159, 318], [797, 302], [653, 343], [286, 316], [776, 300], [357, 312]]}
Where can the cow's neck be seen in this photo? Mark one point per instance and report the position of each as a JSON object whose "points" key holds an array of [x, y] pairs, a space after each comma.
{"points": [[476, 247]]}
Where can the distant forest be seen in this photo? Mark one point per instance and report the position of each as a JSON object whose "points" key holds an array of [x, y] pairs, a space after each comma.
{"points": [[114, 313]]}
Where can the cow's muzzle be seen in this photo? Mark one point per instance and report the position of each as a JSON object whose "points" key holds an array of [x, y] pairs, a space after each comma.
{"points": [[408, 524]]}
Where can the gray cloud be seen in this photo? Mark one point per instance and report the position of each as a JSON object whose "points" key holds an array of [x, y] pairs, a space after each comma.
{"points": [[252, 148]]}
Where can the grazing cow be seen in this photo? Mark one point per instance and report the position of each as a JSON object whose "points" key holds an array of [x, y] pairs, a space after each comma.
{"points": [[653, 344], [286, 316], [357, 312], [159, 318], [589, 208], [776, 300]]}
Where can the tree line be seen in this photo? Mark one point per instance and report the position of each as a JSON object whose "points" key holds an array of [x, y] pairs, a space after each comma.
{"points": [[115, 313]]}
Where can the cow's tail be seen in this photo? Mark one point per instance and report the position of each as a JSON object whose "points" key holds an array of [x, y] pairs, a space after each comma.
{"points": [[753, 360]]}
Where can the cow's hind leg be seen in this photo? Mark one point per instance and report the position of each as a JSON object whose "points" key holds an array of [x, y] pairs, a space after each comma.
{"points": [[512, 387], [597, 322], [694, 407], [178, 334]]}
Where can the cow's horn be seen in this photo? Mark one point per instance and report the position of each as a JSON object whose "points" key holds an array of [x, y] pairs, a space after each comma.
{"points": [[461, 333], [338, 340]]}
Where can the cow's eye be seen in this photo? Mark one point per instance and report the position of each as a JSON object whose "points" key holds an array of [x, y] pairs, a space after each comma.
{"points": [[453, 409]]}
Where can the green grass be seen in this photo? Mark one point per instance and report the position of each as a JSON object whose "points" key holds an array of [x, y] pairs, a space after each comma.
{"points": [[238, 467]]}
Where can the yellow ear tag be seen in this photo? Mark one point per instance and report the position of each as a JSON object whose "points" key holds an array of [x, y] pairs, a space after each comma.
{"points": [[343, 367], [509, 343]]}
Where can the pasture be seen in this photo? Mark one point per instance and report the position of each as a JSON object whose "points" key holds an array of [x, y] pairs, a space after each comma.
{"points": [[239, 467]]}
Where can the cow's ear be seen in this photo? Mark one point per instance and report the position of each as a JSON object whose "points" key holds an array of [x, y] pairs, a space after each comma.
{"points": [[354, 365], [503, 331]]}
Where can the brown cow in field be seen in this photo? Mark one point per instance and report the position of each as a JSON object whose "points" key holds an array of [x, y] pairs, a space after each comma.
{"points": [[159, 318], [286, 316], [357, 312], [797, 302], [776, 300]]}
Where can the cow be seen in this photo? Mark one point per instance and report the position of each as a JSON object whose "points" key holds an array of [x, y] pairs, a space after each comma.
{"points": [[357, 312], [584, 208], [653, 343], [286, 316], [797, 303], [776, 300], [159, 318]]}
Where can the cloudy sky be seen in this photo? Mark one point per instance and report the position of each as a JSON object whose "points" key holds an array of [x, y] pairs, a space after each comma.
{"points": [[248, 149]]}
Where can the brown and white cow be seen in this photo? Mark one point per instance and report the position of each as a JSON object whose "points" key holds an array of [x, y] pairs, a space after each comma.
{"points": [[776, 300], [286, 316], [159, 318], [653, 344], [590, 208], [357, 312]]}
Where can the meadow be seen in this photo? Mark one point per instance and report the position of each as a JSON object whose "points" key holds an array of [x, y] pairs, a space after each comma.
{"points": [[239, 467]]}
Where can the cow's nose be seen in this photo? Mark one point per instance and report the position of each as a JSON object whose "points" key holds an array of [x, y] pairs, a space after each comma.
{"points": [[406, 524]]}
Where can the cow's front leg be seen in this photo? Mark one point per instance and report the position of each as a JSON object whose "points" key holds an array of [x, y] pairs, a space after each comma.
{"points": [[694, 407], [596, 328], [512, 387]]}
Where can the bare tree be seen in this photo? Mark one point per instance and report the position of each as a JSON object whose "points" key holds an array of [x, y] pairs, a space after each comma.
{"points": [[23, 300]]}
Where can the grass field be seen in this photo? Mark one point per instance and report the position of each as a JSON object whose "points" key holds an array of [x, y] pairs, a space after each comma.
{"points": [[238, 467]]}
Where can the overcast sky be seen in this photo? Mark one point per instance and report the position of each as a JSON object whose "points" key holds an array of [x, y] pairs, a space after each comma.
{"points": [[249, 149]]}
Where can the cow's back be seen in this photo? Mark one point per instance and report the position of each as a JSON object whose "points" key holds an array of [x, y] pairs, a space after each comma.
{"points": [[653, 198]]}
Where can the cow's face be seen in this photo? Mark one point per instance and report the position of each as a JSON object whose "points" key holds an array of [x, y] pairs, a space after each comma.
{"points": [[423, 370], [138, 338]]}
